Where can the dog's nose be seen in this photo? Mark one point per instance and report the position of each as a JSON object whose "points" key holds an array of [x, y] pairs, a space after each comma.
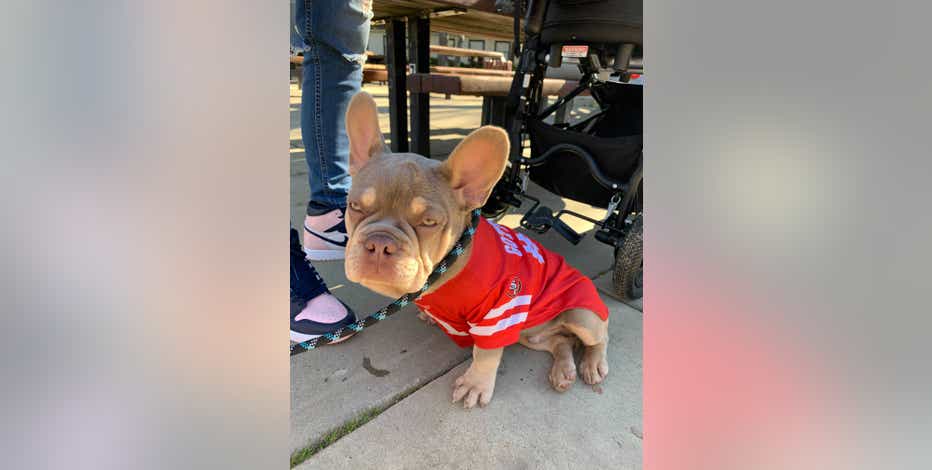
{"points": [[379, 244]]}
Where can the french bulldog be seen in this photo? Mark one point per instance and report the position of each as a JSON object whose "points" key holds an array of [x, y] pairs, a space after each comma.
{"points": [[405, 212]]}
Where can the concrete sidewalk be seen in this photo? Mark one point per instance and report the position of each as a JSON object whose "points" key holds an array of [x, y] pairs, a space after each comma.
{"points": [[336, 384], [527, 425]]}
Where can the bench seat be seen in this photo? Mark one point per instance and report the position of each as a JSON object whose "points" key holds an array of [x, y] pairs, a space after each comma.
{"points": [[478, 85]]}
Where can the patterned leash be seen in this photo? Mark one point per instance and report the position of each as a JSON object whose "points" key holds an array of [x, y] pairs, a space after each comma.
{"points": [[400, 302]]}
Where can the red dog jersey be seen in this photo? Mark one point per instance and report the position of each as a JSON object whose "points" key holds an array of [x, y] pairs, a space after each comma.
{"points": [[509, 283]]}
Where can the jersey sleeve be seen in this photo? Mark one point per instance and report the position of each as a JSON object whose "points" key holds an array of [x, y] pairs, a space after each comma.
{"points": [[455, 328], [461, 341]]}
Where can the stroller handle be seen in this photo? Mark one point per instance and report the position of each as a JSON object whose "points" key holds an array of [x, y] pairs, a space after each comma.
{"points": [[601, 178]]}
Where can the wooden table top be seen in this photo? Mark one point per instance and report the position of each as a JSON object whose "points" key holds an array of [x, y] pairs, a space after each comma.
{"points": [[480, 18]]}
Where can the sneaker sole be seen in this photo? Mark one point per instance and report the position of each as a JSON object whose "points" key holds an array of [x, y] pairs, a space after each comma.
{"points": [[325, 255], [300, 337]]}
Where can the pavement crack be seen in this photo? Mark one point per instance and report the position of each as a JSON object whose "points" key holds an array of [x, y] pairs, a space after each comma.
{"points": [[637, 432], [600, 274], [338, 432]]}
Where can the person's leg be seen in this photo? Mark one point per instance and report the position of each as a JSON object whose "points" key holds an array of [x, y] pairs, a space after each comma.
{"points": [[314, 310], [336, 33], [330, 81]]}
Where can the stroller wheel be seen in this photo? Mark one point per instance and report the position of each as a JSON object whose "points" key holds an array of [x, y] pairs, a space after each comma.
{"points": [[628, 276]]}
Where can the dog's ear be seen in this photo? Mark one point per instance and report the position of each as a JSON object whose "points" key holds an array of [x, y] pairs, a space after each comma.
{"points": [[362, 128], [476, 164]]}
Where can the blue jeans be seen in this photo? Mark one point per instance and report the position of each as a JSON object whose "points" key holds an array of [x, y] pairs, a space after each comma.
{"points": [[335, 34]]}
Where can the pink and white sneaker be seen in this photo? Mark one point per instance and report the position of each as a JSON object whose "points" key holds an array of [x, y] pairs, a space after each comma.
{"points": [[313, 318], [325, 236]]}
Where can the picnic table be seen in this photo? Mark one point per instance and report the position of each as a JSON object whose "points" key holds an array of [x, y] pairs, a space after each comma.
{"points": [[477, 17], [407, 29]]}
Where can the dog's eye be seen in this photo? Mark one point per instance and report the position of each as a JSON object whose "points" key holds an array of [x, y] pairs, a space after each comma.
{"points": [[428, 222], [354, 206]]}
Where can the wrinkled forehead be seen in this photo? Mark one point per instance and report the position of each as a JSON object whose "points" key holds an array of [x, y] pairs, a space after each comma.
{"points": [[401, 183]]}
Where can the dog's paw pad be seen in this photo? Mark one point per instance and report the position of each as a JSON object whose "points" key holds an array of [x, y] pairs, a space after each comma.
{"points": [[593, 372], [562, 375], [472, 391]]}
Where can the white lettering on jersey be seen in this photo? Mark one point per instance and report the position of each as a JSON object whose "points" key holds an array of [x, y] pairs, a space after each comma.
{"points": [[530, 248], [509, 243]]}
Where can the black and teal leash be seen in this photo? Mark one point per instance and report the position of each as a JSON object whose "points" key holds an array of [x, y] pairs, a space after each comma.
{"points": [[400, 302]]}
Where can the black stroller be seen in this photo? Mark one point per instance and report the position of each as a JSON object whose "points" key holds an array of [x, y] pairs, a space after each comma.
{"points": [[598, 160]]}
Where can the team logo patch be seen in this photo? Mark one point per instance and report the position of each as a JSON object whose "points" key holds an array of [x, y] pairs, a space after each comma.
{"points": [[514, 286]]}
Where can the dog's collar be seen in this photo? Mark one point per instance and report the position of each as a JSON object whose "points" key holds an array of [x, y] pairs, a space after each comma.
{"points": [[458, 249]]}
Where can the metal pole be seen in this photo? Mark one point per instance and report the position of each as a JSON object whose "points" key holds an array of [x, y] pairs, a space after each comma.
{"points": [[419, 41], [397, 67]]}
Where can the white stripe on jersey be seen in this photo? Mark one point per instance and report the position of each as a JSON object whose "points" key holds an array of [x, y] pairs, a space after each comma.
{"points": [[445, 325], [515, 302], [502, 324]]}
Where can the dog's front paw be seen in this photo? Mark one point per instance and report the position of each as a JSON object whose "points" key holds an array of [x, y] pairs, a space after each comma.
{"points": [[474, 387], [425, 317]]}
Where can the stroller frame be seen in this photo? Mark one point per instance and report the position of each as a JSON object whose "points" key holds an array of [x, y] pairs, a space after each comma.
{"points": [[622, 225]]}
